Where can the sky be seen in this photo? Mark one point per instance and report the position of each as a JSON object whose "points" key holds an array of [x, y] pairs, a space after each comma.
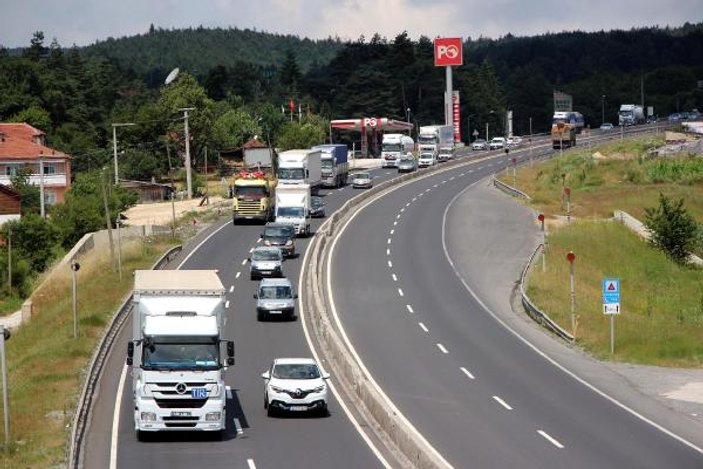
{"points": [[83, 22]]}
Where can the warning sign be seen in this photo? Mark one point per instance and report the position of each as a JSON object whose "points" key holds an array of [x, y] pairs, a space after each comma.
{"points": [[611, 290]]}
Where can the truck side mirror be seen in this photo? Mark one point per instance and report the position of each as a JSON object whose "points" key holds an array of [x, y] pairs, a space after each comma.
{"points": [[230, 352], [130, 353], [256, 296], [295, 297]]}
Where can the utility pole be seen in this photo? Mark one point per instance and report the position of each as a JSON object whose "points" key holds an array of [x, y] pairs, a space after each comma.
{"points": [[114, 145], [107, 220], [189, 175], [42, 210], [173, 192], [9, 259]]}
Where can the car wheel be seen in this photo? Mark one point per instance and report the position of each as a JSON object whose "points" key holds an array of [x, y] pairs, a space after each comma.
{"points": [[270, 411], [266, 402], [260, 316], [324, 411]]}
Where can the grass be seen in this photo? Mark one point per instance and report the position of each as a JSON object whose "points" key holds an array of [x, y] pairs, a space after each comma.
{"points": [[662, 303], [46, 364], [10, 304]]}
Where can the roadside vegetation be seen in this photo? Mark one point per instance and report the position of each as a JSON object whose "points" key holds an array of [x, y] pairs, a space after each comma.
{"points": [[661, 320], [46, 365]]}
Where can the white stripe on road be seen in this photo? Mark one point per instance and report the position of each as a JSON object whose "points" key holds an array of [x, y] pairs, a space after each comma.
{"points": [[410, 309], [259, 240], [395, 279], [423, 327], [467, 373], [436, 185], [442, 348], [231, 289], [389, 240], [395, 223], [388, 252], [400, 292], [244, 262], [427, 190], [116, 419], [398, 216], [238, 426], [502, 402], [392, 231], [550, 439], [250, 463], [390, 264], [238, 274], [227, 304], [402, 210], [415, 198]]}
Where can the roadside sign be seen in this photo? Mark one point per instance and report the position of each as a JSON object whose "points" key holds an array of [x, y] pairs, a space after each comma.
{"points": [[475, 133], [611, 308], [447, 51], [611, 290]]}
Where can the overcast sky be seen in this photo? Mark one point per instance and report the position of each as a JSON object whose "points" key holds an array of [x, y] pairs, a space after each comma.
{"points": [[83, 22]]}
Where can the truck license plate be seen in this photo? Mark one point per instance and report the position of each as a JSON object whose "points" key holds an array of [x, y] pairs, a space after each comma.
{"points": [[177, 413]]}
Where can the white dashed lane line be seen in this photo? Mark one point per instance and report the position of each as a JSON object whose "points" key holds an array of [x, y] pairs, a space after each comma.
{"points": [[390, 264], [436, 185], [389, 240], [467, 373], [244, 262], [238, 426], [410, 309], [550, 439], [403, 209], [395, 223], [231, 289], [238, 274], [398, 216], [400, 292], [395, 279], [250, 464], [227, 304], [415, 198], [502, 402], [388, 252], [408, 204], [442, 348], [423, 327]]}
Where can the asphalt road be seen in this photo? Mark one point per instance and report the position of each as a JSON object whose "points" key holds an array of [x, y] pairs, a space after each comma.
{"points": [[253, 439], [479, 394]]}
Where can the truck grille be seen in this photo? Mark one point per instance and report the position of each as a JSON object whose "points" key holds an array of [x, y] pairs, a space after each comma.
{"points": [[249, 206], [180, 403]]}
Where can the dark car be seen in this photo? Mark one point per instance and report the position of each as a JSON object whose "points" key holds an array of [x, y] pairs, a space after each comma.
{"points": [[281, 235], [317, 206]]}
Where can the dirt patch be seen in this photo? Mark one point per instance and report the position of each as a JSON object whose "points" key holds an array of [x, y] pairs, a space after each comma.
{"points": [[161, 213]]}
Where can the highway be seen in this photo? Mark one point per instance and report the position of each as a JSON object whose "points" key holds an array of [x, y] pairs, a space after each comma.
{"points": [[252, 439], [478, 393]]}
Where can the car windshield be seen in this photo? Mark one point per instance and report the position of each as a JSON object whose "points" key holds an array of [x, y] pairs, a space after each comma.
{"points": [[362, 176], [266, 255], [181, 353], [316, 202], [291, 212], [277, 292], [278, 232], [296, 371], [291, 173]]}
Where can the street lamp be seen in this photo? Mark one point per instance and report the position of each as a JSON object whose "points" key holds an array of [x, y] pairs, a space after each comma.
{"points": [[114, 143], [602, 109]]}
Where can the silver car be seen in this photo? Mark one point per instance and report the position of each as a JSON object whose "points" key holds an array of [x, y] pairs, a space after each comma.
{"points": [[275, 297], [361, 180], [265, 261]]}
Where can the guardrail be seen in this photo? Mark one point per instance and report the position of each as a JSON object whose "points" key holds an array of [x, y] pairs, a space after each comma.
{"points": [[84, 407], [510, 190], [534, 312]]}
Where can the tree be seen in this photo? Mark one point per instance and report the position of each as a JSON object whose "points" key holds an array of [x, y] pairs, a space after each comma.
{"points": [[35, 116], [310, 132], [29, 193], [673, 230], [34, 239]]}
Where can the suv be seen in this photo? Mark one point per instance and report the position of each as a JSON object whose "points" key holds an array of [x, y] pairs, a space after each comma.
{"points": [[281, 235], [497, 143], [295, 385], [275, 297], [265, 261]]}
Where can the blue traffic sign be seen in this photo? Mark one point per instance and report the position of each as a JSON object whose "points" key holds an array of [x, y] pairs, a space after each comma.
{"points": [[611, 290]]}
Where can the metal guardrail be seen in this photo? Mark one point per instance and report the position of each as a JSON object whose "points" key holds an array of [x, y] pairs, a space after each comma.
{"points": [[510, 190], [84, 407], [534, 312]]}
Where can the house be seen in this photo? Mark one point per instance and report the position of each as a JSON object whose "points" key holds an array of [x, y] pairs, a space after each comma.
{"points": [[23, 146], [10, 208], [148, 191]]}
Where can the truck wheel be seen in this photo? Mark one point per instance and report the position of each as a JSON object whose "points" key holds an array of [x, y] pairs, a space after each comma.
{"points": [[142, 436]]}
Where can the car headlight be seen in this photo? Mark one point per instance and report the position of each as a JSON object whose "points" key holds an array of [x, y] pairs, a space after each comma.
{"points": [[267, 243], [277, 389], [289, 242], [148, 417], [144, 390], [319, 388]]}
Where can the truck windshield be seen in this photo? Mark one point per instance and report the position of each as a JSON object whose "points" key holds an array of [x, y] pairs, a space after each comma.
{"points": [[291, 173], [293, 212], [296, 371], [426, 139], [327, 163], [275, 293], [391, 147], [249, 190], [200, 353]]}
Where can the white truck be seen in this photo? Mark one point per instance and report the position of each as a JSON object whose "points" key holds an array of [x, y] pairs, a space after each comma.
{"points": [[293, 207], [335, 164], [175, 352], [433, 137], [631, 114], [300, 167], [393, 147]]}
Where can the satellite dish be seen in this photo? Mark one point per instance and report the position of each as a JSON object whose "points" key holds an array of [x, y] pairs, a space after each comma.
{"points": [[171, 76]]}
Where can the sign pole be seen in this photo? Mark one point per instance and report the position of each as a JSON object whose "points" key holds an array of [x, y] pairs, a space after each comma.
{"points": [[612, 334], [540, 217], [572, 296], [5, 403], [74, 268]]}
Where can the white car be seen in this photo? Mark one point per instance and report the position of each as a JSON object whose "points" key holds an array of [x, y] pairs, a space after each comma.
{"points": [[514, 142], [497, 143], [479, 144], [361, 180], [295, 385]]}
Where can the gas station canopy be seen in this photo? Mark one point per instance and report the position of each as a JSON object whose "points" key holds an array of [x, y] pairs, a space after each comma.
{"points": [[365, 124]]}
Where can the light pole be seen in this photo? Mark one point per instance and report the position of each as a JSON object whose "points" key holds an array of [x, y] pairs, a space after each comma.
{"points": [[42, 209], [189, 175], [4, 337], [602, 109], [114, 144]]}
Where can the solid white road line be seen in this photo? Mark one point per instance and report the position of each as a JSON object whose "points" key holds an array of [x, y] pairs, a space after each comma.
{"points": [[250, 463], [410, 309], [231, 289], [552, 440], [502, 402], [400, 292], [238, 274], [442, 348], [238, 426], [423, 327], [207, 238], [227, 304], [395, 279], [467, 373], [116, 419]]}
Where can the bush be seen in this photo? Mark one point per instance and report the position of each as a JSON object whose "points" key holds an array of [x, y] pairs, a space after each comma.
{"points": [[673, 230]]}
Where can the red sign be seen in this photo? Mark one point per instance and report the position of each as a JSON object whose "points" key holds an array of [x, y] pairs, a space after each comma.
{"points": [[456, 116], [447, 51]]}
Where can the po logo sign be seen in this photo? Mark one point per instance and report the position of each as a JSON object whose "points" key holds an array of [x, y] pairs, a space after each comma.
{"points": [[447, 51]]}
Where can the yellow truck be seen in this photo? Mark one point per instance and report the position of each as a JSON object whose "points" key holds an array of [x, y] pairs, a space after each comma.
{"points": [[254, 195]]}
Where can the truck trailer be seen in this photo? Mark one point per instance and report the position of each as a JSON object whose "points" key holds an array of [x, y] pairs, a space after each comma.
{"points": [[335, 165], [175, 352]]}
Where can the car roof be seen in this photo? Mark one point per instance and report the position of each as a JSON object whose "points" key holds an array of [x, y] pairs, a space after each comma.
{"points": [[294, 361], [276, 282]]}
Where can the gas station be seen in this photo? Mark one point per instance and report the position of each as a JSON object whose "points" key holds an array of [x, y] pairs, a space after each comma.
{"points": [[372, 130]]}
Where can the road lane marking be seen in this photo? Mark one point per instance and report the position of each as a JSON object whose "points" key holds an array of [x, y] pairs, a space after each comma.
{"points": [[400, 292], [388, 252], [415, 198], [389, 240], [116, 419], [552, 440], [244, 262], [259, 240], [452, 178], [467, 373], [395, 279], [395, 223], [502, 402], [410, 309], [427, 190], [238, 426], [228, 390], [231, 289], [436, 185], [423, 327], [250, 463], [444, 182], [402, 210], [251, 250], [392, 231], [442, 348], [398, 216], [227, 304], [238, 274], [390, 264], [407, 205]]}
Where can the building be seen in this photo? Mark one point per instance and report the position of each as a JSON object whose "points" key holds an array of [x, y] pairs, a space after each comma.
{"points": [[23, 146], [10, 208]]}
